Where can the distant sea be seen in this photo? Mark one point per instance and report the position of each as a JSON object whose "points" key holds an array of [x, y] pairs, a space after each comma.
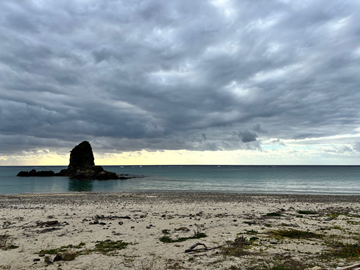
{"points": [[336, 180]]}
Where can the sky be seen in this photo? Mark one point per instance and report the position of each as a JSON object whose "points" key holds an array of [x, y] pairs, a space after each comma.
{"points": [[180, 82]]}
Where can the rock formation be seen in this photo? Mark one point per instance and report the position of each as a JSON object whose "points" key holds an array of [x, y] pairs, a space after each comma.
{"points": [[35, 173], [81, 167], [81, 157]]}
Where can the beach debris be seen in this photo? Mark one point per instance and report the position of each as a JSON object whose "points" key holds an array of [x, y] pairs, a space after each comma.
{"points": [[352, 267], [102, 217], [48, 230], [273, 242], [184, 229], [51, 225], [273, 215], [47, 223], [93, 223], [192, 248], [6, 224], [221, 215], [250, 222], [97, 217]]}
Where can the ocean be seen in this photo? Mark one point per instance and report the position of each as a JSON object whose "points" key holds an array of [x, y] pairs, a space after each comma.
{"points": [[335, 180]]}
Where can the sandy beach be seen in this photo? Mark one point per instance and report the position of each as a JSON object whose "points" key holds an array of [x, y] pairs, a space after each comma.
{"points": [[161, 230]]}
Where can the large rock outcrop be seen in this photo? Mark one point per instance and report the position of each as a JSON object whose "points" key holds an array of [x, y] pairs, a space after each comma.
{"points": [[81, 167], [81, 157]]}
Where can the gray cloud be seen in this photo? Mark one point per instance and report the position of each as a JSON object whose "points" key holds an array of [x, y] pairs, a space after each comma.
{"points": [[257, 128], [356, 146], [278, 142], [247, 136], [157, 75], [339, 150]]}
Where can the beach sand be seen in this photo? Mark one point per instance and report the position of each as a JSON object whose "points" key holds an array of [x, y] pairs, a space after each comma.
{"points": [[317, 238]]}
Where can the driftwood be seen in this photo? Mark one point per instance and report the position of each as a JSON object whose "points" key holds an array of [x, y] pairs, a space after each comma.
{"points": [[192, 248], [110, 217], [48, 223], [352, 267], [48, 230]]}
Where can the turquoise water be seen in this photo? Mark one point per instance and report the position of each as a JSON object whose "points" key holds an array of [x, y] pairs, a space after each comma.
{"points": [[342, 180]]}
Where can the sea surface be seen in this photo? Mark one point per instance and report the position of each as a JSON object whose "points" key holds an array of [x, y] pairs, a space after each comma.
{"points": [[336, 180]]}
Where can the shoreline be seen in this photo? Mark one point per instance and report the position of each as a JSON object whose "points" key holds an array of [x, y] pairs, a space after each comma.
{"points": [[141, 220], [198, 196], [181, 193]]}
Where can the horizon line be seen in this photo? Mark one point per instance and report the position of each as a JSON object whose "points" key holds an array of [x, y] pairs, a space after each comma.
{"points": [[248, 165]]}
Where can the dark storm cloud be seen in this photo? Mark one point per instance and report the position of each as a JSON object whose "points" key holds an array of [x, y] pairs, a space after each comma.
{"points": [[247, 136], [196, 75]]}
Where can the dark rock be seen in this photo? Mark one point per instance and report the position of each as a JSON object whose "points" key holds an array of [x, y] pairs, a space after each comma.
{"points": [[36, 260], [45, 173], [65, 256], [57, 258], [81, 157], [35, 173], [23, 173], [68, 255], [94, 173], [63, 172]]}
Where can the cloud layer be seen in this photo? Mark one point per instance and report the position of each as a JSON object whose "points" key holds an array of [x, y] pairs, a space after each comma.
{"points": [[170, 75]]}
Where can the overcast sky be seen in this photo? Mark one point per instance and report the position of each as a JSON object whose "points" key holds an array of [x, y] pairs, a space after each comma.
{"points": [[180, 82]]}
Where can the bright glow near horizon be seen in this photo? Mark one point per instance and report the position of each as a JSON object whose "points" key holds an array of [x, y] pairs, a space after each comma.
{"points": [[270, 155]]}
